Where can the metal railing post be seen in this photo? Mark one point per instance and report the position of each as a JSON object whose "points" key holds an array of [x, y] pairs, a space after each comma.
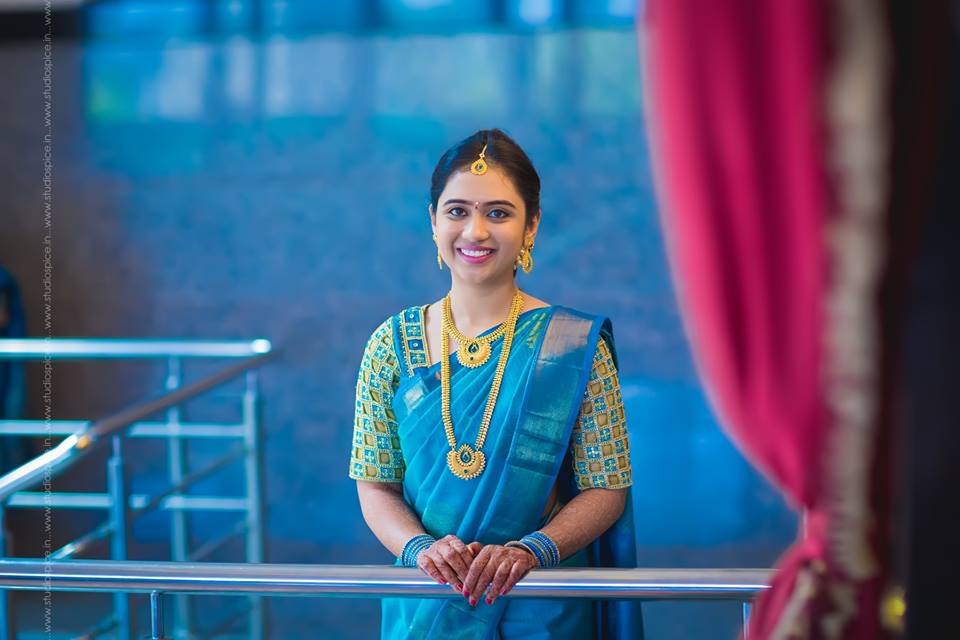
{"points": [[156, 616], [118, 489], [6, 621], [253, 476], [745, 613], [177, 469]]}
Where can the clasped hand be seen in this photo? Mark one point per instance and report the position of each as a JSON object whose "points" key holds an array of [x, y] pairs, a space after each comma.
{"points": [[474, 569]]}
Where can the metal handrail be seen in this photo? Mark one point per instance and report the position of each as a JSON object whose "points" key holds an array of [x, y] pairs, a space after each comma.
{"points": [[82, 436], [144, 429], [88, 348], [76, 446], [371, 581]]}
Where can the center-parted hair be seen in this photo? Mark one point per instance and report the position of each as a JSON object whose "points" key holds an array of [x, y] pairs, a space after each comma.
{"points": [[502, 153]]}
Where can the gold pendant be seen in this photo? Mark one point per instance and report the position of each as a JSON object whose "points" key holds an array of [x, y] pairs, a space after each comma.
{"points": [[473, 354], [465, 463]]}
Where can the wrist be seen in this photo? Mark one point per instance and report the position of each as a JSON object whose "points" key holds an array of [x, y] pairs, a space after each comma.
{"points": [[516, 544], [541, 546], [532, 559], [414, 547]]}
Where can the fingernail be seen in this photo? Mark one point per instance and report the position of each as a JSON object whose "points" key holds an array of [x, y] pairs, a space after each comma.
{"points": [[442, 581], [458, 587], [489, 600], [473, 602], [465, 594]]}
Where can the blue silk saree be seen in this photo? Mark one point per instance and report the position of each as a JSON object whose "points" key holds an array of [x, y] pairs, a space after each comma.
{"points": [[526, 446]]}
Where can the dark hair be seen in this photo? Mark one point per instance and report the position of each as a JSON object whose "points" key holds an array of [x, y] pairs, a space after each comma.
{"points": [[502, 153]]}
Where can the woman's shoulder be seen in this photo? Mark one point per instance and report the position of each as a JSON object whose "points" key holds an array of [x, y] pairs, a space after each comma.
{"points": [[382, 335], [407, 314], [530, 302], [405, 324]]}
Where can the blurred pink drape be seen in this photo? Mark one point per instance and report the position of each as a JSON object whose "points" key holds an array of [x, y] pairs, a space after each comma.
{"points": [[767, 129]]}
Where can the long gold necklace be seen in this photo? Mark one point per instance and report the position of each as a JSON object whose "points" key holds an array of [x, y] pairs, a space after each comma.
{"points": [[467, 462]]}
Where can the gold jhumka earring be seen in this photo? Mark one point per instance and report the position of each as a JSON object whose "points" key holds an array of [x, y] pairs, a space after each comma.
{"points": [[525, 259], [439, 259]]}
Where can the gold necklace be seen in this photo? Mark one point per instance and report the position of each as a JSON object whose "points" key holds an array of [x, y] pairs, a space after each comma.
{"points": [[467, 462], [474, 352]]}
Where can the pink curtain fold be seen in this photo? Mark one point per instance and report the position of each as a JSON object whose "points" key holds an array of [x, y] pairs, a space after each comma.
{"points": [[766, 226]]}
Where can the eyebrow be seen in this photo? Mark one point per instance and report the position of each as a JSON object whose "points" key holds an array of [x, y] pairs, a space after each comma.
{"points": [[486, 204]]}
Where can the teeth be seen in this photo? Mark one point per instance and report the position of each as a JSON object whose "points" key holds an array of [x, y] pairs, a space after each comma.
{"points": [[476, 254]]}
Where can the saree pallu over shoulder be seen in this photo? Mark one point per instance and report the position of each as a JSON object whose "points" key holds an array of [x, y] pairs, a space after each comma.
{"points": [[553, 398], [616, 547], [527, 442]]}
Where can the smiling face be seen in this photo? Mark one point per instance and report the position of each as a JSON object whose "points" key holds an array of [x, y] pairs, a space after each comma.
{"points": [[480, 224]]}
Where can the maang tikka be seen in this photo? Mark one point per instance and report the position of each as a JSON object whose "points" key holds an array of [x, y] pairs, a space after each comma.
{"points": [[479, 167]]}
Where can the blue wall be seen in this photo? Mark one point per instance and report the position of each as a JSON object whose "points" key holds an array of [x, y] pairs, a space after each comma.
{"points": [[278, 188]]}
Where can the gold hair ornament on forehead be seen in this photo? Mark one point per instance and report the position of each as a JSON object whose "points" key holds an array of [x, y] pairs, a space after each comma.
{"points": [[479, 167]]}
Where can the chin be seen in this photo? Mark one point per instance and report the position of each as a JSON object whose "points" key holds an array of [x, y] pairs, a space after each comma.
{"points": [[480, 276]]}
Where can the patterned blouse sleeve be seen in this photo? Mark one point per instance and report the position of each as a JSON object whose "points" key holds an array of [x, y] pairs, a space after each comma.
{"points": [[376, 452], [601, 450]]}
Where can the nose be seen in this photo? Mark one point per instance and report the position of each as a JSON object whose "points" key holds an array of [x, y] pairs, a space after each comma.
{"points": [[476, 229]]}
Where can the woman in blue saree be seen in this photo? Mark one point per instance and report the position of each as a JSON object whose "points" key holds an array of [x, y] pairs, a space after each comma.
{"points": [[460, 462]]}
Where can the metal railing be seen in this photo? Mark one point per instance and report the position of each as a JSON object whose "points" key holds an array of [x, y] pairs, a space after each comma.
{"points": [[122, 508], [119, 348], [160, 578]]}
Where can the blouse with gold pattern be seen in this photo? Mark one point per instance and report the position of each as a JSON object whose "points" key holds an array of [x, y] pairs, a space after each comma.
{"points": [[600, 446]]}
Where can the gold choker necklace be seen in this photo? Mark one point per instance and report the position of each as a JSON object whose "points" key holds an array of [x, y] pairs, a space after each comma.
{"points": [[474, 352], [467, 462]]}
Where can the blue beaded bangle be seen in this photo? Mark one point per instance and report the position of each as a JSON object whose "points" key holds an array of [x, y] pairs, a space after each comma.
{"points": [[543, 548], [414, 547], [548, 545]]}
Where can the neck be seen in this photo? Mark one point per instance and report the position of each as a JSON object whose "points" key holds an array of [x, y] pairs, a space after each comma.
{"points": [[475, 308]]}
